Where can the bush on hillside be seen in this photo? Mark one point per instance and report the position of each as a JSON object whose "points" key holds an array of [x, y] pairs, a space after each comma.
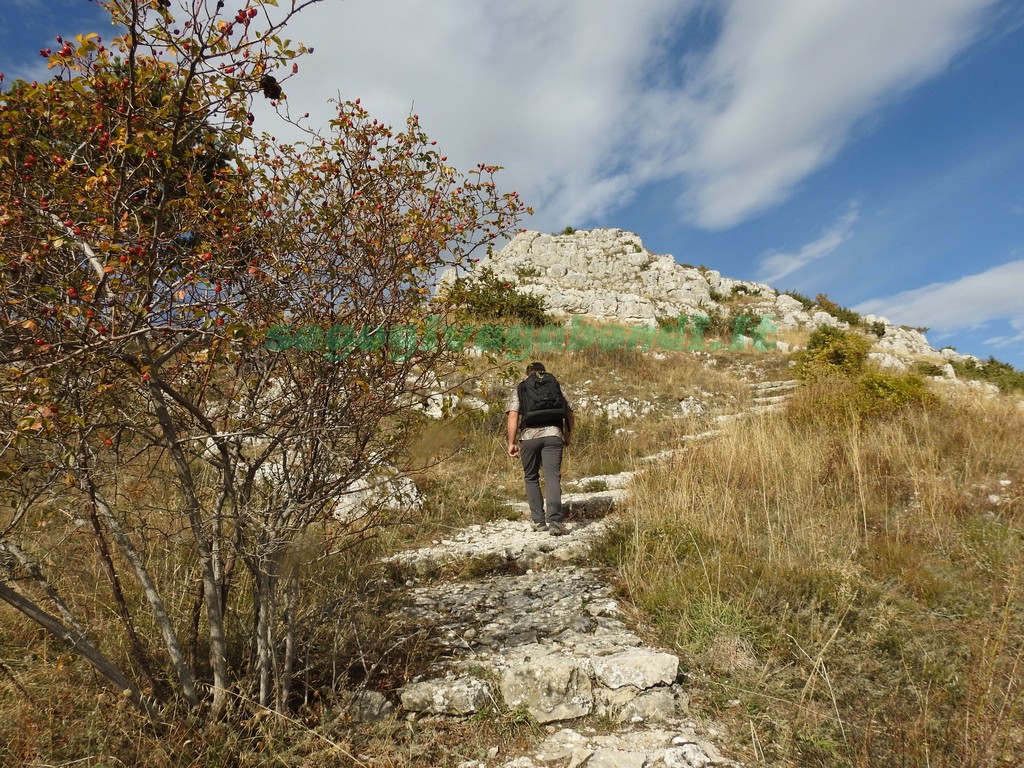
{"points": [[924, 368], [877, 328], [1003, 375], [833, 352], [881, 393], [837, 311], [487, 297]]}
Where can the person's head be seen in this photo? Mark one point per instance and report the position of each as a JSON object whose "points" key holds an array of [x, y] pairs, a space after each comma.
{"points": [[535, 367]]}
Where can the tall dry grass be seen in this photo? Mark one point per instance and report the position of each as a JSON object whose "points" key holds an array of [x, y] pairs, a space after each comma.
{"points": [[845, 580]]}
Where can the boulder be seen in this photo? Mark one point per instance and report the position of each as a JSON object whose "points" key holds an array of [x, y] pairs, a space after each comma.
{"points": [[456, 696], [641, 668], [550, 688]]}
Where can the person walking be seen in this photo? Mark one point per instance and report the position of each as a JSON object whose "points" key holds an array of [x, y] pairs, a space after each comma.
{"points": [[540, 421]]}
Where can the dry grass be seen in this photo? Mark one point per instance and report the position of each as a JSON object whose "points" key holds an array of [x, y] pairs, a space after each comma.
{"points": [[847, 588], [844, 585]]}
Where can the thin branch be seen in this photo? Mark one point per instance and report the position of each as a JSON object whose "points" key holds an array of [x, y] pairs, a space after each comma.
{"points": [[80, 645]]}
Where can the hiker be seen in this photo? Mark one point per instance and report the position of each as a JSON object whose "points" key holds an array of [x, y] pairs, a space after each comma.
{"points": [[540, 413]]}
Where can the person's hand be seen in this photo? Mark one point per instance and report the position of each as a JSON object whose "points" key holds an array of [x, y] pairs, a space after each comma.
{"points": [[513, 449]]}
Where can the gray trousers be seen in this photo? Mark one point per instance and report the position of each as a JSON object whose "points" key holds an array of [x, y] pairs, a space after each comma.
{"points": [[546, 451]]}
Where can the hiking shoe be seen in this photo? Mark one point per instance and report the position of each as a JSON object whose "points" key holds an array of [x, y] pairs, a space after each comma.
{"points": [[557, 529], [539, 526]]}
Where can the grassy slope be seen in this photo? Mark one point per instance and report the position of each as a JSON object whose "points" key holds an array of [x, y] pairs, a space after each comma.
{"points": [[843, 584], [846, 588]]}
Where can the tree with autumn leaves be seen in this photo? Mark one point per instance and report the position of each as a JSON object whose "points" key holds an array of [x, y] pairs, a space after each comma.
{"points": [[154, 445]]}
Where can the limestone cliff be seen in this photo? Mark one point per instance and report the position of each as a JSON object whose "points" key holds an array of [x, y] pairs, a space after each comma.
{"points": [[608, 274]]}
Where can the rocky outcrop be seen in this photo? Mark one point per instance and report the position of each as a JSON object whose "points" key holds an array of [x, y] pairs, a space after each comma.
{"points": [[608, 275]]}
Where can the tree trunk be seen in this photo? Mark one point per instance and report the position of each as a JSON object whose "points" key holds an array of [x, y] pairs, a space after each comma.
{"points": [[186, 680], [212, 588], [80, 645], [264, 602]]}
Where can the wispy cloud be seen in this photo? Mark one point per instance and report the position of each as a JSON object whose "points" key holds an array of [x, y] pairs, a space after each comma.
{"points": [[966, 303], [789, 80], [1017, 337], [775, 266], [587, 101], [728, 106], [551, 91]]}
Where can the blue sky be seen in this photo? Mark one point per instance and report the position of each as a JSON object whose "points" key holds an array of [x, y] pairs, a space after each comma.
{"points": [[872, 150]]}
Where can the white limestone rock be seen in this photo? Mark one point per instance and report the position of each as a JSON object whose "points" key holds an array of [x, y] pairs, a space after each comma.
{"points": [[888, 362], [385, 489], [458, 696], [639, 667], [686, 756], [366, 706], [821, 318], [655, 705], [551, 688], [617, 758], [606, 274], [904, 342]]}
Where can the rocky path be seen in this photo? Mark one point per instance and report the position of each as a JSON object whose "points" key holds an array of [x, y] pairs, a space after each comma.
{"points": [[543, 633]]}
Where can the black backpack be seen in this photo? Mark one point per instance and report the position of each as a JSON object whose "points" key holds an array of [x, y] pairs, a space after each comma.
{"points": [[541, 402]]}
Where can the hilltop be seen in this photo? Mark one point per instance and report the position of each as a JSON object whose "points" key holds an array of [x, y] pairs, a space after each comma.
{"points": [[607, 275]]}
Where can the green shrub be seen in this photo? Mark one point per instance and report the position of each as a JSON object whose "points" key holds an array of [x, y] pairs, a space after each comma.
{"points": [[877, 328], [838, 312], [833, 352], [880, 393], [1003, 375], [928, 369], [487, 297]]}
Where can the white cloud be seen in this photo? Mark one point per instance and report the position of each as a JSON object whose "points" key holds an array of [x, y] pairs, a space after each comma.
{"points": [[789, 80], [587, 101], [548, 90], [967, 303], [775, 266], [1017, 325]]}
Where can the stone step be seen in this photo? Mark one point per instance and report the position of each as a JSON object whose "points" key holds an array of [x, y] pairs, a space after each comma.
{"points": [[758, 410], [557, 645], [770, 399], [766, 386]]}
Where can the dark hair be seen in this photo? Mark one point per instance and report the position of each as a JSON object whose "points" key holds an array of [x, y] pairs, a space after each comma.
{"points": [[535, 366]]}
